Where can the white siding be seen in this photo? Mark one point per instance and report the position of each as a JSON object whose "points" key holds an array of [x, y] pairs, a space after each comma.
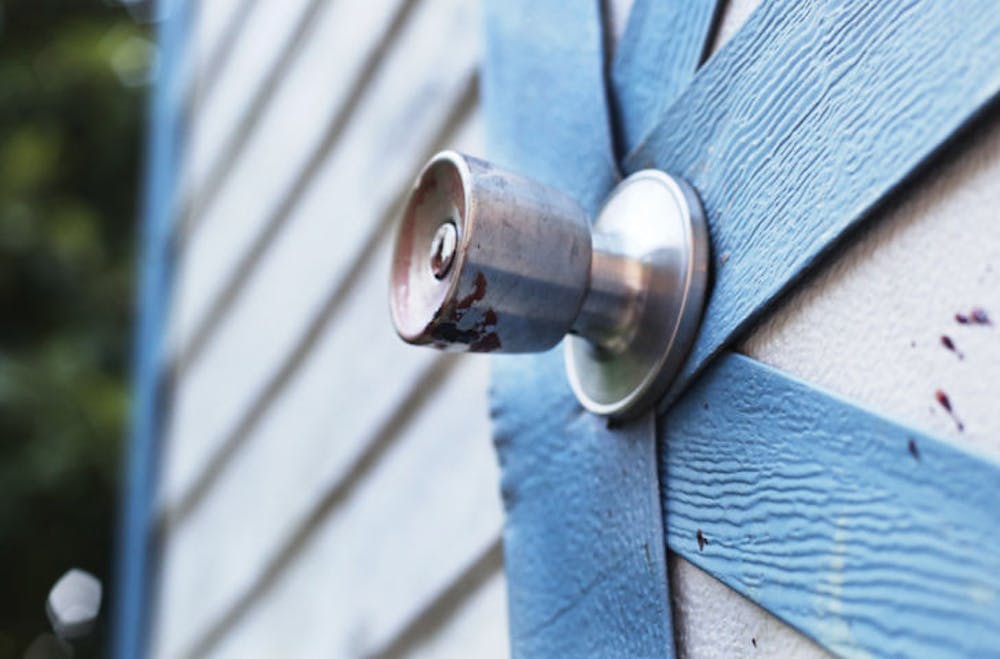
{"points": [[325, 490]]}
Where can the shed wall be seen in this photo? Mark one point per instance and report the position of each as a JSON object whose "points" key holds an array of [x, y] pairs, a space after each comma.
{"points": [[328, 491]]}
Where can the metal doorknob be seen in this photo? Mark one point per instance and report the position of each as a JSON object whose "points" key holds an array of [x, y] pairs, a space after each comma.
{"points": [[489, 261]]}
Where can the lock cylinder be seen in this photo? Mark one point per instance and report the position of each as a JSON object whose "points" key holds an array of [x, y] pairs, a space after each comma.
{"points": [[518, 256], [489, 261]]}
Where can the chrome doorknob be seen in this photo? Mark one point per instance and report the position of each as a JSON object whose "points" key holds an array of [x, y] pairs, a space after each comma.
{"points": [[489, 261]]}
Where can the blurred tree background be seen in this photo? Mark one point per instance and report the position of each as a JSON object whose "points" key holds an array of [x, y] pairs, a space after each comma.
{"points": [[72, 106]]}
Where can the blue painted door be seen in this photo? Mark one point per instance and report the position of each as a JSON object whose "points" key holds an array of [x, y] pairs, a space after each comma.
{"points": [[794, 134]]}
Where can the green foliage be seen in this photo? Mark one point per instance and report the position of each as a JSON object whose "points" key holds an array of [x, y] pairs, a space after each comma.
{"points": [[70, 122]]}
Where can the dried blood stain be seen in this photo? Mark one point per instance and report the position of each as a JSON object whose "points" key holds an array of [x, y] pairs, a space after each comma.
{"points": [[945, 402], [950, 345], [481, 336]]}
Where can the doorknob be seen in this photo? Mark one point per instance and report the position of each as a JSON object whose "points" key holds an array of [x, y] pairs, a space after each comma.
{"points": [[488, 261]]}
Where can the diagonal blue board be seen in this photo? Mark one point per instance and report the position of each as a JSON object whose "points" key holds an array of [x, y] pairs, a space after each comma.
{"points": [[583, 544], [663, 45], [795, 131], [164, 143], [812, 114], [868, 536]]}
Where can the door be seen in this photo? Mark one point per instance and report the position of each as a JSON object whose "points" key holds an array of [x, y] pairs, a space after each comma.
{"points": [[817, 452]]}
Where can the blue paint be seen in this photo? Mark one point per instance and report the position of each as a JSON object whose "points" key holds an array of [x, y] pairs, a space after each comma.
{"points": [[583, 543], [544, 95], [810, 116], [822, 513], [793, 133], [133, 568], [661, 49], [583, 547]]}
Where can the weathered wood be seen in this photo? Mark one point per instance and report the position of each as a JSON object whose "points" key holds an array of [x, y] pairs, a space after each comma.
{"points": [[325, 235], [663, 45], [803, 123], [867, 535], [431, 502], [585, 576]]}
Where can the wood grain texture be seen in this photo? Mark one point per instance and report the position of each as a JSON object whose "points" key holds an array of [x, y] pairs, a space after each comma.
{"points": [[661, 49], [803, 123], [853, 528], [586, 572], [585, 568]]}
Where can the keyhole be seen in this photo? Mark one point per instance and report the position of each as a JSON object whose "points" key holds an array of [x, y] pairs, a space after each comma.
{"points": [[443, 248]]}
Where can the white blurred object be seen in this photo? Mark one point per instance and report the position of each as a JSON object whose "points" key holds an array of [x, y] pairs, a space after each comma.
{"points": [[73, 604]]}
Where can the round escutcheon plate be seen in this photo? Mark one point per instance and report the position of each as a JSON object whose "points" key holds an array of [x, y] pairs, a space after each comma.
{"points": [[657, 226]]}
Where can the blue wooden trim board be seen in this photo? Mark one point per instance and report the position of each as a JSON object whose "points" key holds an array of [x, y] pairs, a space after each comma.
{"points": [[797, 128], [868, 536], [583, 548], [793, 134], [660, 51], [133, 570]]}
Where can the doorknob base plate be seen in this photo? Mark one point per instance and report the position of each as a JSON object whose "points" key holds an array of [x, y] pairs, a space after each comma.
{"points": [[657, 226]]}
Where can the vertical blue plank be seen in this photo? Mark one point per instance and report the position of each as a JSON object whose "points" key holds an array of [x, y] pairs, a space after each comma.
{"points": [[163, 144], [584, 559], [663, 44], [544, 95]]}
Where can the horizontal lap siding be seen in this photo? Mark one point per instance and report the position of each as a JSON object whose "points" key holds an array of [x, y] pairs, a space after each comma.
{"points": [[426, 511], [321, 480], [304, 102], [408, 104], [260, 42]]}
